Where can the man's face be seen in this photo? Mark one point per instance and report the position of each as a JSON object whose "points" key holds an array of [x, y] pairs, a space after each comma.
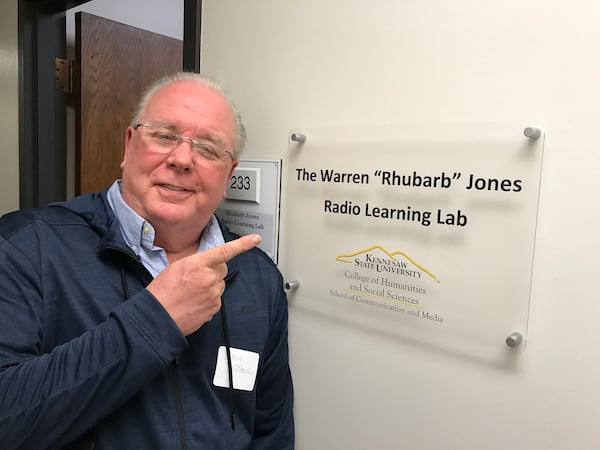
{"points": [[179, 187]]}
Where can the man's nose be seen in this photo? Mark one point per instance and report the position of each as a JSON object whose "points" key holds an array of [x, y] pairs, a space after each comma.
{"points": [[182, 156]]}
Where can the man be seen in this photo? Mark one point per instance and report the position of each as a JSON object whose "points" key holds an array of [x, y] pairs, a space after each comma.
{"points": [[125, 313]]}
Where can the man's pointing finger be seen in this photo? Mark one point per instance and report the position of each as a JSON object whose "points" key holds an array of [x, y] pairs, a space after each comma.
{"points": [[224, 252]]}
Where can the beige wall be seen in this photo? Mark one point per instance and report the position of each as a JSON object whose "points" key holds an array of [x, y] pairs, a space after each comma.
{"points": [[302, 64], [9, 108]]}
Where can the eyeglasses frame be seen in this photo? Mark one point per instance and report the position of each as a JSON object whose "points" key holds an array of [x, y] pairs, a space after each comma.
{"points": [[192, 141]]}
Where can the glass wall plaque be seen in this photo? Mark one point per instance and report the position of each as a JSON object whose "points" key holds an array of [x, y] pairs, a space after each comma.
{"points": [[251, 203], [426, 232]]}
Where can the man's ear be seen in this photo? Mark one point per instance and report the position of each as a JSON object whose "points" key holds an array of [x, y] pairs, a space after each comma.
{"points": [[233, 166], [128, 137]]}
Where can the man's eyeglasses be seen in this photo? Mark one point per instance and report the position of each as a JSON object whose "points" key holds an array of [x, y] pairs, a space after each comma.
{"points": [[165, 140]]}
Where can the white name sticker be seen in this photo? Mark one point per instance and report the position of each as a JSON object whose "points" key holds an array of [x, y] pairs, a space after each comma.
{"points": [[244, 365]]}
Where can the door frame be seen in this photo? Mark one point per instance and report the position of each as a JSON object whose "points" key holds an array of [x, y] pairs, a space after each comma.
{"points": [[43, 108]]}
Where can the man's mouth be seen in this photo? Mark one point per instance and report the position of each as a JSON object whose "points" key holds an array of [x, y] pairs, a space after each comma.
{"points": [[173, 188]]}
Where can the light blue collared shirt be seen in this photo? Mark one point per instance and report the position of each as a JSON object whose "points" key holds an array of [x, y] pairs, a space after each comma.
{"points": [[139, 234]]}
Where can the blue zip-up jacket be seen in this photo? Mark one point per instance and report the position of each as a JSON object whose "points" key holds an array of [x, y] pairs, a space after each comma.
{"points": [[90, 359]]}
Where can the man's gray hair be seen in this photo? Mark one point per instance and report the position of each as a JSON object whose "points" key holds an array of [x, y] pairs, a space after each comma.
{"points": [[158, 84]]}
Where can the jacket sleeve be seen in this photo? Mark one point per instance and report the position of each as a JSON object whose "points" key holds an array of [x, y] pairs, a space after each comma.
{"points": [[47, 399], [274, 421]]}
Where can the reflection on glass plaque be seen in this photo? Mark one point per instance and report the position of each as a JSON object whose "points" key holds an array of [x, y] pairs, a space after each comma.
{"points": [[423, 232]]}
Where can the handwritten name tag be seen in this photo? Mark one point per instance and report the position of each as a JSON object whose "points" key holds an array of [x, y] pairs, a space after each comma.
{"points": [[244, 365]]}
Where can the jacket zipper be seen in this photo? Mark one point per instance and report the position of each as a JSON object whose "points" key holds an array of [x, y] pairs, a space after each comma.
{"points": [[173, 374], [176, 385], [231, 391]]}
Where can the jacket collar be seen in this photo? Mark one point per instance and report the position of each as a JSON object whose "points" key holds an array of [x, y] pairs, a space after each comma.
{"points": [[95, 210]]}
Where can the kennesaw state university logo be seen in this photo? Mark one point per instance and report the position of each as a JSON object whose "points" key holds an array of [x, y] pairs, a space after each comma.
{"points": [[377, 259]]}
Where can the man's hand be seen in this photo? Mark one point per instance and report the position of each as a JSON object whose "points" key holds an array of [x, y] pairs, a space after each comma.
{"points": [[190, 289]]}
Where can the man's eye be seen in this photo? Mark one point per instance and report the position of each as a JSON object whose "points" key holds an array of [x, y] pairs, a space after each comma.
{"points": [[164, 136], [206, 150]]}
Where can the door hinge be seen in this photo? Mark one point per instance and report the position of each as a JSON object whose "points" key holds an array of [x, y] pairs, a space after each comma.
{"points": [[63, 74]]}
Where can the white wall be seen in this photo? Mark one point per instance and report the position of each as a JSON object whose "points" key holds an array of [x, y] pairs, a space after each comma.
{"points": [[310, 63], [9, 108]]}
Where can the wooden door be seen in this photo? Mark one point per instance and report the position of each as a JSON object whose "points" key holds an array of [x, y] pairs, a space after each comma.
{"points": [[114, 62]]}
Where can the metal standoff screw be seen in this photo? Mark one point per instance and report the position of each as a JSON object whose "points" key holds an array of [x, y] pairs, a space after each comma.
{"points": [[292, 285], [532, 133], [298, 137], [514, 339]]}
